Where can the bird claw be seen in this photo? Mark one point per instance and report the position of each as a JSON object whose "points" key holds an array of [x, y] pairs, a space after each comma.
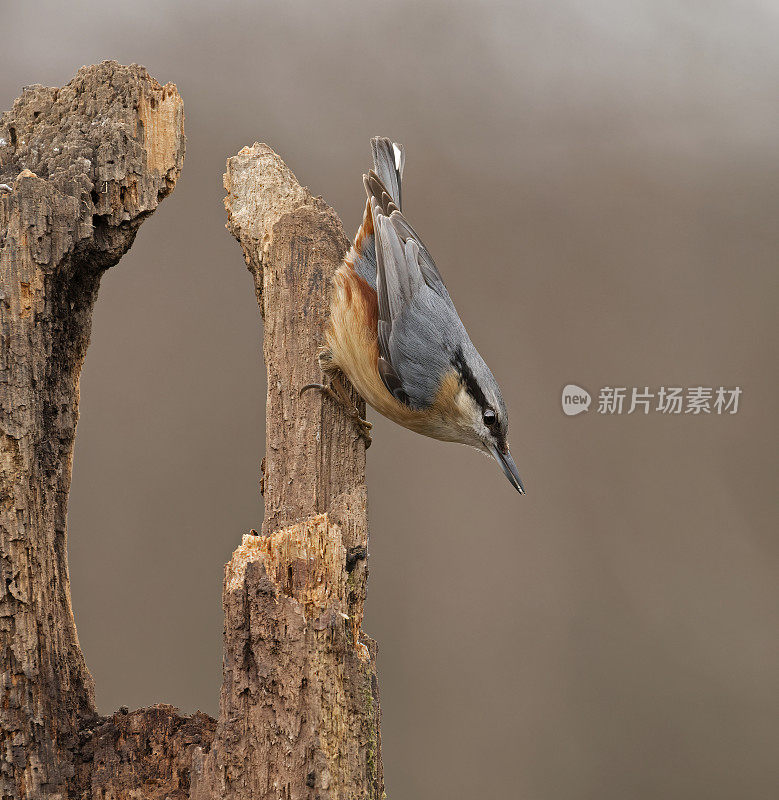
{"points": [[335, 390], [321, 386]]}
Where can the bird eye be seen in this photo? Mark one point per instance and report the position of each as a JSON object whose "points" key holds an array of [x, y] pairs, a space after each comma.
{"points": [[490, 417]]}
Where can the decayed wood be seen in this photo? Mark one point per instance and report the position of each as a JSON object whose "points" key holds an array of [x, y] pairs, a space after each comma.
{"points": [[149, 754], [85, 164], [299, 712]]}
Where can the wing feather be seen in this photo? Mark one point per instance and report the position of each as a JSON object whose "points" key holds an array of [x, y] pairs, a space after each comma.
{"points": [[414, 307], [426, 264]]}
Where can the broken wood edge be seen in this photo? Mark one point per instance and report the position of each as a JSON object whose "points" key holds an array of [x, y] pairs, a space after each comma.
{"points": [[306, 562]]}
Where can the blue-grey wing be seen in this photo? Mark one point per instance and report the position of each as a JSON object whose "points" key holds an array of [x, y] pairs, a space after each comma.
{"points": [[427, 266], [422, 344], [417, 324]]}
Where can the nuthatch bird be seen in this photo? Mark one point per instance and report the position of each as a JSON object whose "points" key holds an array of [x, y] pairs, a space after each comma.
{"points": [[394, 331]]}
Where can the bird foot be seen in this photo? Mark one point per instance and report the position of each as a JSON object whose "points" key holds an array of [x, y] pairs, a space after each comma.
{"points": [[336, 391]]}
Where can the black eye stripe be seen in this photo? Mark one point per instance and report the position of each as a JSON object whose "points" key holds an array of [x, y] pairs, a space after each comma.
{"points": [[468, 378]]}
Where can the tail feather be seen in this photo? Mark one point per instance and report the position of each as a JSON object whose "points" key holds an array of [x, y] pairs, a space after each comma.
{"points": [[388, 160]]}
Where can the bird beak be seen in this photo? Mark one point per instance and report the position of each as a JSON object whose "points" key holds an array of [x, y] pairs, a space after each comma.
{"points": [[509, 468]]}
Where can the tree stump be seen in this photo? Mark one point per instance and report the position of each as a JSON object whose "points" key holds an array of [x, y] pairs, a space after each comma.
{"points": [[299, 713], [81, 167]]}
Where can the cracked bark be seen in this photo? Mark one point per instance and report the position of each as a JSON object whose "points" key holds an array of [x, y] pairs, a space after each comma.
{"points": [[299, 712], [82, 166]]}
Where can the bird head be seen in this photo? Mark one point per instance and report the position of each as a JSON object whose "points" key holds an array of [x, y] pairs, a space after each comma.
{"points": [[472, 410]]}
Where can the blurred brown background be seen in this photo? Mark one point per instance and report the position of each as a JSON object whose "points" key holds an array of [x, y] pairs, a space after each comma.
{"points": [[599, 184]]}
